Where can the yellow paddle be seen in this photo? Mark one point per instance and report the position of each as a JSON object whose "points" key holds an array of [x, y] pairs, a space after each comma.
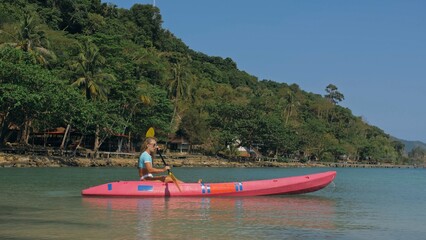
{"points": [[170, 173], [151, 133]]}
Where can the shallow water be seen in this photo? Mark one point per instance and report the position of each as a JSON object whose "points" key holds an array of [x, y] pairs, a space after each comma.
{"points": [[45, 203]]}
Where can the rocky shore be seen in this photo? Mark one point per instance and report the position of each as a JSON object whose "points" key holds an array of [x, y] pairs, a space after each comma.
{"points": [[16, 160]]}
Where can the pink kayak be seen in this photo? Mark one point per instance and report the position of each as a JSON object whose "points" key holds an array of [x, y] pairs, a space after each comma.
{"points": [[277, 186]]}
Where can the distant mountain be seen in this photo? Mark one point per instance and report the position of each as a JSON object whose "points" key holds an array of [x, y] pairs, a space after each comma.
{"points": [[410, 145]]}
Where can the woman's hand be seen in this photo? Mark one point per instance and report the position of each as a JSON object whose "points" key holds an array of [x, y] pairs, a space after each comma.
{"points": [[166, 168]]}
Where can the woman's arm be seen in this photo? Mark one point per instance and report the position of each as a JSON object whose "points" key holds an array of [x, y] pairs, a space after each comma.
{"points": [[152, 169]]}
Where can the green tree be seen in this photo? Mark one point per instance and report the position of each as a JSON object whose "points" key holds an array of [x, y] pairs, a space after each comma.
{"points": [[333, 95], [194, 126], [275, 139], [158, 115], [160, 80], [179, 87], [418, 154], [30, 38], [28, 93], [91, 79], [148, 20]]}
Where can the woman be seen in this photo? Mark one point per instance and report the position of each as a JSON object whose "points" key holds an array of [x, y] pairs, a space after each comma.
{"points": [[145, 163]]}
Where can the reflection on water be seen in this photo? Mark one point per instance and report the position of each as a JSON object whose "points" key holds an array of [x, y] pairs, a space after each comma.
{"points": [[249, 217]]}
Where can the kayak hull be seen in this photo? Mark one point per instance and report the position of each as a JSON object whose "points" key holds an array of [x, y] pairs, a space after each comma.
{"points": [[276, 186]]}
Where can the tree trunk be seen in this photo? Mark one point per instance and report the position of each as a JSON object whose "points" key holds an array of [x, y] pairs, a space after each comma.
{"points": [[25, 133], [65, 136], [3, 127], [120, 144], [7, 136], [130, 146], [96, 143], [173, 117], [78, 145], [276, 152], [120, 141]]}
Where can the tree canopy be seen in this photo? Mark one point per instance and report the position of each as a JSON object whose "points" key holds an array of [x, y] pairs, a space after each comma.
{"points": [[107, 71]]}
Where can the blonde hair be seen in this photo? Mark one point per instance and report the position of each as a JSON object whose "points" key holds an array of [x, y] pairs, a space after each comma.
{"points": [[147, 141]]}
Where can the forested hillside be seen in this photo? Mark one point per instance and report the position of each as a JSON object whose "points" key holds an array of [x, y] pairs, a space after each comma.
{"points": [[103, 70]]}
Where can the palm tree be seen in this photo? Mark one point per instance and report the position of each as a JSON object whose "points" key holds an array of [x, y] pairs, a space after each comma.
{"points": [[291, 105], [31, 39], [91, 78], [179, 88], [132, 105]]}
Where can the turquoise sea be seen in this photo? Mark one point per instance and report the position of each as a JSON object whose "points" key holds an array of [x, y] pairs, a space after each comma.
{"points": [[45, 203]]}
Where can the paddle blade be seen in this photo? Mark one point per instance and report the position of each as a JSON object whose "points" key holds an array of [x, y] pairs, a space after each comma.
{"points": [[175, 180], [150, 132]]}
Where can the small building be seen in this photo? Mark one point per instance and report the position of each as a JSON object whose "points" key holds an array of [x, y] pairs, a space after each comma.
{"points": [[50, 137], [248, 152], [178, 144], [243, 152]]}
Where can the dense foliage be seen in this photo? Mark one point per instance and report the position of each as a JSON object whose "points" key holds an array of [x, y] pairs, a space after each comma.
{"points": [[104, 70]]}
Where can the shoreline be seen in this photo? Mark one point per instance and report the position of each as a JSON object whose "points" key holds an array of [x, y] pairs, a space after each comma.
{"points": [[8, 160]]}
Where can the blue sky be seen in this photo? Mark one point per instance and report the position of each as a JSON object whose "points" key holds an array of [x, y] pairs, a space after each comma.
{"points": [[374, 51]]}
